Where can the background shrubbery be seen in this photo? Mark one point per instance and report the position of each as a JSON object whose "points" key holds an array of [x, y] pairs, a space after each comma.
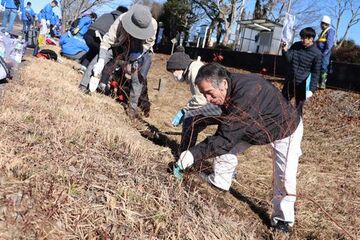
{"points": [[349, 52]]}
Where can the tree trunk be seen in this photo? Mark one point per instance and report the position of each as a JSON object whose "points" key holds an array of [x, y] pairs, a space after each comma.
{"points": [[218, 33], [344, 37], [230, 22], [210, 32], [226, 35]]}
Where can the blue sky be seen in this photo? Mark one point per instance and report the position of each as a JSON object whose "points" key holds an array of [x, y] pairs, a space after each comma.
{"points": [[353, 34]]}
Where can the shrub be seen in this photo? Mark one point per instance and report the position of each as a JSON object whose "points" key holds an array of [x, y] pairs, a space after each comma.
{"points": [[349, 52]]}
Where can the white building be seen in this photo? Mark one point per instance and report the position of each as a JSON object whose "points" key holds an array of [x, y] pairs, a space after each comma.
{"points": [[259, 36]]}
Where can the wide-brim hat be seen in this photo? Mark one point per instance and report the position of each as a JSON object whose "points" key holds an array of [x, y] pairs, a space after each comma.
{"points": [[138, 22]]}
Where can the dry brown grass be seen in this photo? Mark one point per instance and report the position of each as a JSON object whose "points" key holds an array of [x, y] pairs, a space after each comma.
{"points": [[74, 167]]}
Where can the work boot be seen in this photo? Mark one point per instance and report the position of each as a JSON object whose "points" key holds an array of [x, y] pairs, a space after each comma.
{"points": [[146, 113], [132, 113], [84, 90], [323, 79], [282, 226], [82, 70]]}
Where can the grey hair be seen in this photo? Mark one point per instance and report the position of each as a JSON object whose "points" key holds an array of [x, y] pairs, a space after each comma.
{"points": [[214, 73]]}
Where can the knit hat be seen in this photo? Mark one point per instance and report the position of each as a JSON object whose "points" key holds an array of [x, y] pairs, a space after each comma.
{"points": [[179, 60]]}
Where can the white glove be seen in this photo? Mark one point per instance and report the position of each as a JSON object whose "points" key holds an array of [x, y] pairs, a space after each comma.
{"points": [[98, 67], [308, 94], [186, 160], [48, 22], [98, 35], [2, 8]]}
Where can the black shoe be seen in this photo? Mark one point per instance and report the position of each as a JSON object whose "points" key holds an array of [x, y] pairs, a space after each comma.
{"points": [[146, 113], [84, 89], [282, 226], [132, 113]]}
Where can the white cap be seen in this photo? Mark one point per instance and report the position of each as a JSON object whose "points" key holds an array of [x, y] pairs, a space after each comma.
{"points": [[326, 19]]}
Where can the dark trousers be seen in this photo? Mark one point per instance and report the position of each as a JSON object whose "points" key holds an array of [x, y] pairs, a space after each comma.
{"points": [[52, 34], [191, 128], [93, 43], [143, 100], [297, 90], [144, 68]]}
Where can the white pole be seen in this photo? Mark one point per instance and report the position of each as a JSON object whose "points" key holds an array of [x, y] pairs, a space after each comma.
{"points": [[204, 41], [172, 49], [237, 37], [289, 6]]}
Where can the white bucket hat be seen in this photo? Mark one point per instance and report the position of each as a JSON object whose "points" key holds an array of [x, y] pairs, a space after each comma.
{"points": [[138, 22]]}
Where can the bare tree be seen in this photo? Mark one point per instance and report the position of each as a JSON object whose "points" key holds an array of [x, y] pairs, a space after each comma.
{"points": [[230, 13], [72, 9], [305, 12], [337, 13], [354, 19], [148, 3], [209, 10], [222, 14], [258, 12], [156, 10]]}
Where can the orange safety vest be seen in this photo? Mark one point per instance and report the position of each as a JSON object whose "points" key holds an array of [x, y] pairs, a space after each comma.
{"points": [[323, 37]]}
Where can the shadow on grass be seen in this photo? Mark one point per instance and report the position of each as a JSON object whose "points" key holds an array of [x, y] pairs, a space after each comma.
{"points": [[159, 138], [260, 211], [3, 81]]}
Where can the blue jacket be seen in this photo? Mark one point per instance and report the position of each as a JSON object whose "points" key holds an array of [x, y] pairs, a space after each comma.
{"points": [[84, 25], [11, 4], [46, 13], [325, 47], [31, 13], [71, 45], [54, 19]]}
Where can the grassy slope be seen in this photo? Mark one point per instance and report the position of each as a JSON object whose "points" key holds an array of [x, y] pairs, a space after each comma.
{"points": [[73, 167]]}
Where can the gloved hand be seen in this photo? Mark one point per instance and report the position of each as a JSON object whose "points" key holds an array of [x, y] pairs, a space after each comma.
{"points": [[186, 160], [308, 94], [98, 35], [177, 172], [2, 8], [178, 118], [98, 67], [48, 23], [75, 31]]}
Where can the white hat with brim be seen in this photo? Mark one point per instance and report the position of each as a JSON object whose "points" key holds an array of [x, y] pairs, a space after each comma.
{"points": [[138, 22], [326, 19]]}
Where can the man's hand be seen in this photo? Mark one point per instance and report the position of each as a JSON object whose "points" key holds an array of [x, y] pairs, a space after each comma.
{"points": [[98, 67], [186, 160], [284, 46], [48, 23], [75, 31], [2, 8], [308, 94], [178, 118]]}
